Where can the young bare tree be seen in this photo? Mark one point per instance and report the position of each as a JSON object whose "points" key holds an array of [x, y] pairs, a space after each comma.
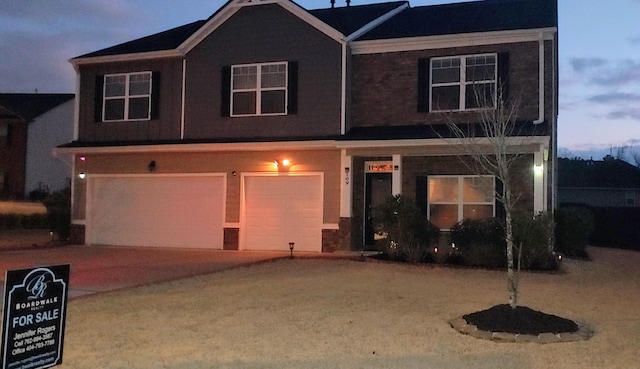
{"points": [[492, 144]]}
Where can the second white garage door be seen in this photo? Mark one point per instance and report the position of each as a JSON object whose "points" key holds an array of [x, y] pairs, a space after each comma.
{"points": [[283, 209], [159, 211]]}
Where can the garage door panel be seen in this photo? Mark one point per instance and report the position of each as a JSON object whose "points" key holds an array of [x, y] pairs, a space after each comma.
{"points": [[157, 211], [283, 209]]}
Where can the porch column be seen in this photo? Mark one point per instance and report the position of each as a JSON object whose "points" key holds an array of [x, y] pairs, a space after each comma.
{"points": [[396, 179], [540, 180], [346, 180]]}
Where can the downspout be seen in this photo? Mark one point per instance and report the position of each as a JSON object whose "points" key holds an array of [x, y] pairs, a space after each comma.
{"points": [[540, 79], [343, 100], [184, 89]]}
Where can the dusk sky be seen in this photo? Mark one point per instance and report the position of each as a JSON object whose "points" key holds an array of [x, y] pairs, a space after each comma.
{"points": [[599, 54]]}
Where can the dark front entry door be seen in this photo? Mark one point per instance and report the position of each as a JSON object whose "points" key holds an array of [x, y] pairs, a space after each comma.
{"points": [[377, 191]]}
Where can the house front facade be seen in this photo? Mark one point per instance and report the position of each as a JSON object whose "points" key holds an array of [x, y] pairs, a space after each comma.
{"points": [[269, 124]]}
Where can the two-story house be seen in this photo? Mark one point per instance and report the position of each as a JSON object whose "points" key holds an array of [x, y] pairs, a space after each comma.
{"points": [[268, 123], [31, 126]]}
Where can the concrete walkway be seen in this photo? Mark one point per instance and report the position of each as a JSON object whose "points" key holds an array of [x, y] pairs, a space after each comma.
{"points": [[105, 268]]}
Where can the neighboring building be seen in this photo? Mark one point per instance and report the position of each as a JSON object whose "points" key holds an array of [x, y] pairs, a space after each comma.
{"points": [[598, 183], [268, 123], [31, 126]]}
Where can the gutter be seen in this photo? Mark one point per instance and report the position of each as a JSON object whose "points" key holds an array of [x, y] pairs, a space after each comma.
{"points": [[540, 80]]}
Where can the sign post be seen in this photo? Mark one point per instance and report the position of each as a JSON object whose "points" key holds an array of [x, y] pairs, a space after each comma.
{"points": [[35, 307]]}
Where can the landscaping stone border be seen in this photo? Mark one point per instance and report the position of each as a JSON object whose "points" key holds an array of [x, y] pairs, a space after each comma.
{"points": [[462, 326]]}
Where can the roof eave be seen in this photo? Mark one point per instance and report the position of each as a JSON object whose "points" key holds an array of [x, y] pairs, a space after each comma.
{"points": [[453, 40], [162, 54]]}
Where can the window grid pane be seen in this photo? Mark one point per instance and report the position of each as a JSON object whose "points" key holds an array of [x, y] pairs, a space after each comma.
{"points": [[245, 78]]}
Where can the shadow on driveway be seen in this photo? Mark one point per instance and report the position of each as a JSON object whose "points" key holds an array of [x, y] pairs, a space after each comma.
{"points": [[97, 269]]}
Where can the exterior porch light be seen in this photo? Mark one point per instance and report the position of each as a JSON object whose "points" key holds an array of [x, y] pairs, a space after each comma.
{"points": [[286, 162], [82, 175]]}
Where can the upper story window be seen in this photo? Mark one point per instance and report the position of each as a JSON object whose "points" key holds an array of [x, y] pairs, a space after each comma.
{"points": [[259, 89], [127, 96], [463, 82], [4, 135], [451, 199]]}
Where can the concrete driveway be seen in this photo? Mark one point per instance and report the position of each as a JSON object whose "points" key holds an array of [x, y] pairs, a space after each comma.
{"points": [[105, 268]]}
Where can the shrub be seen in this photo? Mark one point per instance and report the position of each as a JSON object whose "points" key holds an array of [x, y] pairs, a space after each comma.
{"points": [[58, 206], [481, 242], [22, 221], [409, 235], [533, 235], [573, 226]]}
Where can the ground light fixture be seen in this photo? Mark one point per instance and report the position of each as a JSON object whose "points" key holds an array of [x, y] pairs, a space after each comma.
{"points": [[291, 245]]}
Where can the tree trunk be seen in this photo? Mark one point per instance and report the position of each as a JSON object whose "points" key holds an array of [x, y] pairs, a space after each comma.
{"points": [[512, 279]]}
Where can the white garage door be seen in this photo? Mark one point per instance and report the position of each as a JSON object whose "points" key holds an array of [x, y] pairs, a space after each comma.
{"points": [[283, 209], [158, 211]]}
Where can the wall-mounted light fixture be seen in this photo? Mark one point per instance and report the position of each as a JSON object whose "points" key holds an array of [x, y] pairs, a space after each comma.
{"points": [[285, 163], [234, 173], [152, 166], [83, 158], [82, 175], [346, 175]]}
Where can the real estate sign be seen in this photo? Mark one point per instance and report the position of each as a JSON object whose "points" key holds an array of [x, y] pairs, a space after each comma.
{"points": [[35, 305]]}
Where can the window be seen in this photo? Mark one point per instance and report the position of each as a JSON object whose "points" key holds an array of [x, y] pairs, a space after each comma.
{"points": [[463, 82], [4, 135], [127, 96], [454, 198], [630, 198], [259, 89]]}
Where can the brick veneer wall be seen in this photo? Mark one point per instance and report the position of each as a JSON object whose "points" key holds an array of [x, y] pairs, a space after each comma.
{"points": [[76, 235], [337, 239], [385, 86], [414, 166], [231, 239]]}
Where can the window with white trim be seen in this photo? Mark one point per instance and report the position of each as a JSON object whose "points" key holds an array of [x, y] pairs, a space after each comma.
{"points": [[451, 199], [127, 96], [463, 82], [259, 89]]}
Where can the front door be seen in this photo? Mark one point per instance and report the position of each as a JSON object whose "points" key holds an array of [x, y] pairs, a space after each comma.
{"points": [[377, 191]]}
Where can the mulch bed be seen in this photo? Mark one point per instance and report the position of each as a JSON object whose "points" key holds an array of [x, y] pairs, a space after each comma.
{"points": [[521, 320]]}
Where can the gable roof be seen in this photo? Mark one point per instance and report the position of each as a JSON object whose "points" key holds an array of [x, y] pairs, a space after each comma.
{"points": [[166, 40], [431, 20], [344, 20], [613, 173], [468, 17], [31, 106]]}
